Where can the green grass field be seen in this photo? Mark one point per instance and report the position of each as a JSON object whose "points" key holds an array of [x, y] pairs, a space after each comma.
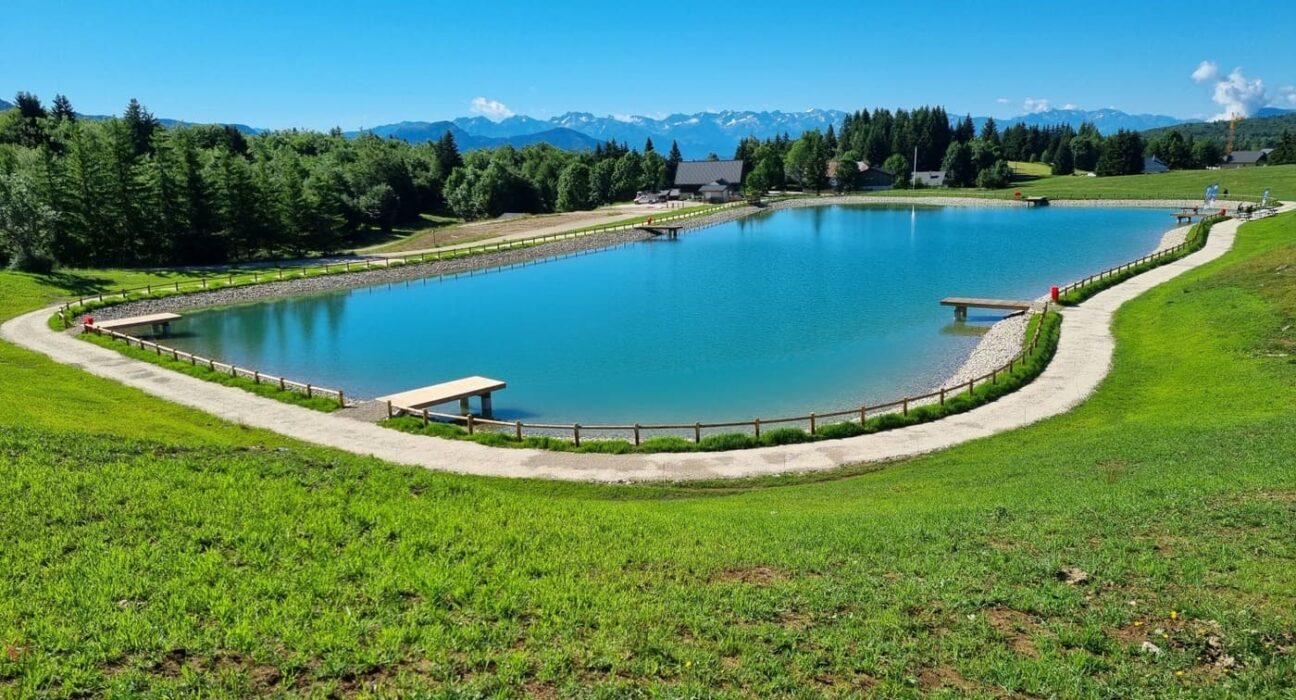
{"points": [[1243, 183], [150, 550]]}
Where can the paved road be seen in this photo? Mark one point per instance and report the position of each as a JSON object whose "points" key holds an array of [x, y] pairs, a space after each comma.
{"points": [[1082, 361]]}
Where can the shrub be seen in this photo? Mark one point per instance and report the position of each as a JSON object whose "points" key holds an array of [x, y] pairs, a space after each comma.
{"points": [[668, 443], [611, 447], [844, 429], [784, 436], [727, 441]]}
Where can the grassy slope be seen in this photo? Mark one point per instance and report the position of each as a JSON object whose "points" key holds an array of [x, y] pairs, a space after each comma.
{"points": [[1248, 183], [206, 561]]}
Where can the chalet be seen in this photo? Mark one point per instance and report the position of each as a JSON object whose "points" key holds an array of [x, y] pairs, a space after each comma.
{"points": [[870, 179], [712, 180], [1246, 159], [1152, 165], [929, 178]]}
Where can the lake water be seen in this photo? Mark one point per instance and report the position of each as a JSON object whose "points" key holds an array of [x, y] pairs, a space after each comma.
{"points": [[790, 312]]}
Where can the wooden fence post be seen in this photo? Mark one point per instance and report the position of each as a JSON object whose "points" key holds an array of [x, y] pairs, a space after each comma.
{"points": [[812, 423], [471, 427], [517, 426], [905, 407], [756, 425], [942, 396], [310, 391], [425, 418], [697, 432], [341, 399], [863, 415], [576, 434], [636, 434]]}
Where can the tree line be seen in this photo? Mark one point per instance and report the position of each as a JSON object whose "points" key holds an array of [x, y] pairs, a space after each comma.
{"points": [[128, 191]]}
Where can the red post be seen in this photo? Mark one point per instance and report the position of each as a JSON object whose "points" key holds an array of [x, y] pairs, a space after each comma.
{"points": [[1053, 293]]}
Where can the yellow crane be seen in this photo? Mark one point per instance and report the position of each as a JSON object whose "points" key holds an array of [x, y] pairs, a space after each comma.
{"points": [[1233, 122]]}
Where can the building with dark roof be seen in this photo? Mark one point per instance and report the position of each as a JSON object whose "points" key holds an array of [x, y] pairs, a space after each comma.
{"points": [[868, 179], [713, 180], [1152, 164], [1246, 159]]}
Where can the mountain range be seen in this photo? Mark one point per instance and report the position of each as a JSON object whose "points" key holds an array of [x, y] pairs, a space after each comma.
{"points": [[702, 133]]}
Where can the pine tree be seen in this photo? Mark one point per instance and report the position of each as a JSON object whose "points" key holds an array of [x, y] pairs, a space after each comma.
{"points": [[141, 124], [62, 110], [830, 141], [990, 131], [1063, 158], [448, 153], [648, 145], [672, 161]]}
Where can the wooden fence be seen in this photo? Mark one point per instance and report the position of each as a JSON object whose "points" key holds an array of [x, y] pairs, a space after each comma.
{"points": [[257, 276], [310, 390], [813, 421], [1150, 257]]}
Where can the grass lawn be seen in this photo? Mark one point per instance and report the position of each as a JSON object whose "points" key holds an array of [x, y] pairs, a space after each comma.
{"points": [[1033, 170], [150, 550], [1242, 183]]}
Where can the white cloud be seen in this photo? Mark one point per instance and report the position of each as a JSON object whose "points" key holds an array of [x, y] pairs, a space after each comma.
{"points": [[1238, 95], [1070, 105], [1287, 95], [1003, 100], [491, 109], [1033, 105], [1206, 71]]}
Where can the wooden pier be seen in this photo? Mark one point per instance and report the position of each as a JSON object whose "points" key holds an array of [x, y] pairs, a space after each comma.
{"points": [[160, 323], [458, 390], [1037, 201], [961, 305], [659, 230]]}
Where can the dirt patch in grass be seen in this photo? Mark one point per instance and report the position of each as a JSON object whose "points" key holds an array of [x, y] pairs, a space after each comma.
{"points": [[1017, 628], [942, 677], [755, 575]]}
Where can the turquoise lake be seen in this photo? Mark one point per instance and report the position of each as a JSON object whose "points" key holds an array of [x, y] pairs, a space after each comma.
{"points": [[789, 312]]}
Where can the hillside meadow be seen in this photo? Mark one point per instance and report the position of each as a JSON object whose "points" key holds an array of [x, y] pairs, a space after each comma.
{"points": [[1139, 546]]}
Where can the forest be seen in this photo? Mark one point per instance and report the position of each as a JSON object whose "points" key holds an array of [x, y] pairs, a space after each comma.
{"points": [[127, 191]]}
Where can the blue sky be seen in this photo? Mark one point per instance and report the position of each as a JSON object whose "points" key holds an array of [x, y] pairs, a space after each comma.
{"points": [[353, 64]]}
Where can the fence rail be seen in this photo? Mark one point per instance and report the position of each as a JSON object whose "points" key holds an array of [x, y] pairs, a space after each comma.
{"points": [[256, 276], [1150, 257], [637, 430], [284, 384]]}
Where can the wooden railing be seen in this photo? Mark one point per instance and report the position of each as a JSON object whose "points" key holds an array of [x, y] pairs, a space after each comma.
{"points": [[1176, 251], [636, 431], [310, 390], [256, 276]]}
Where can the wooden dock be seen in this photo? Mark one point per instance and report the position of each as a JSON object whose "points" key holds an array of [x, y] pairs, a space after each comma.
{"points": [[962, 304], [160, 323], [1037, 201], [458, 390], [659, 230]]}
